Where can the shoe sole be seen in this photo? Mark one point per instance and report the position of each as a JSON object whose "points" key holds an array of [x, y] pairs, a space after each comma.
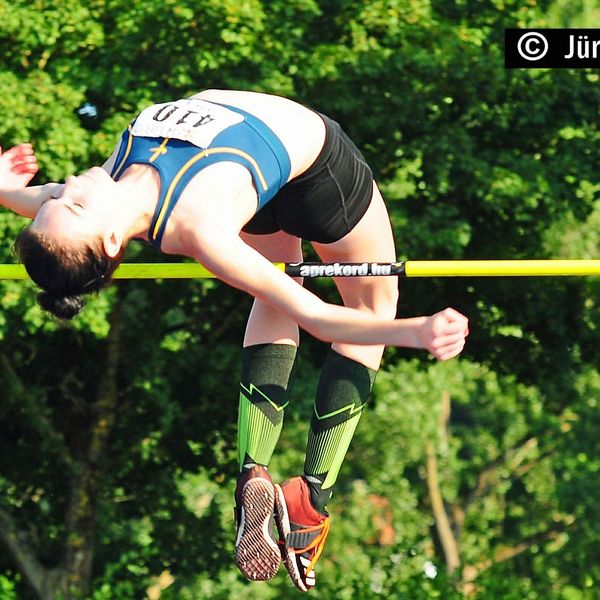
{"points": [[257, 555], [283, 524]]}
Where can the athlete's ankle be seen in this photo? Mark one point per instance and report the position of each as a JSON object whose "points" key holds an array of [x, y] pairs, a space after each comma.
{"points": [[318, 496], [248, 466]]}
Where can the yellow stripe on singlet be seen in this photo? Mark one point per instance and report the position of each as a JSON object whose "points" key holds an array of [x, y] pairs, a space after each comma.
{"points": [[192, 161], [159, 150], [127, 151], [228, 150]]}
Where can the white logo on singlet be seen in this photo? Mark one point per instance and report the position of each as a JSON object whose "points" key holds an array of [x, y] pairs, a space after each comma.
{"points": [[189, 119]]}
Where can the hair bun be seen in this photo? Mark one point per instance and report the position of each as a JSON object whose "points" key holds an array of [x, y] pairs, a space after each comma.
{"points": [[63, 307]]}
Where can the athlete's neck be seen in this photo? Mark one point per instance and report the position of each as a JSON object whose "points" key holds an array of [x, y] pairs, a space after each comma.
{"points": [[138, 189]]}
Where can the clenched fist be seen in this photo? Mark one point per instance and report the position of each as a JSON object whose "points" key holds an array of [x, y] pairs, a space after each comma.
{"points": [[443, 334]]}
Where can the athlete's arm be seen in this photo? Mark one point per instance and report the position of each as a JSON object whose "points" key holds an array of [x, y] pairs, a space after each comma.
{"points": [[27, 202], [239, 265], [17, 167]]}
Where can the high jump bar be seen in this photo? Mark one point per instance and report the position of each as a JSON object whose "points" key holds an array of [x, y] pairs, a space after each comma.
{"points": [[408, 268]]}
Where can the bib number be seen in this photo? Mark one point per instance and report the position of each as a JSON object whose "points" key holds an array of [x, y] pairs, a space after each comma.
{"points": [[191, 120]]}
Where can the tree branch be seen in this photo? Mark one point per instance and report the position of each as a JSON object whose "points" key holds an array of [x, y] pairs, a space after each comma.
{"points": [[505, 553], [511, 459], [81, 514], [19, 548], [442, 523]]}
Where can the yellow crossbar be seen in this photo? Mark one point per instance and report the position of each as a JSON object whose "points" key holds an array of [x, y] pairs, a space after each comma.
{"points": [[410, 268], [500, 268]]}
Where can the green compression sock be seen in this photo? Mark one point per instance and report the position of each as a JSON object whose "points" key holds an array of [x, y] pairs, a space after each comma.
{"points": [[342, 393], [266, 375]]}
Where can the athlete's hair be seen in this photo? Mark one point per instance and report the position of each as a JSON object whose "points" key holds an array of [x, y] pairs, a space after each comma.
{"points": [[65, 273]]}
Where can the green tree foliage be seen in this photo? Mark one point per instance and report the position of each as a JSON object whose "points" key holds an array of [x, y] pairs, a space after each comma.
{"points": [[477, 478]]}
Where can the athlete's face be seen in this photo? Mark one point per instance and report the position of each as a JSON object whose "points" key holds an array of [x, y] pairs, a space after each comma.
{"points": [[83, 209]]}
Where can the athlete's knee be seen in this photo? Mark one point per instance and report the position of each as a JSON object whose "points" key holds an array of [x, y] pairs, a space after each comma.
{"points": [[381, 300], [386, 302]]}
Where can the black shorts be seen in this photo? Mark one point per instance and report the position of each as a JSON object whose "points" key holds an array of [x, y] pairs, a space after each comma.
{"points": [[327, 201]]}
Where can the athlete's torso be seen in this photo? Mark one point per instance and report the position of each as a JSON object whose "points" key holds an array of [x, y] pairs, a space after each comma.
{"points": [[181, 138]]}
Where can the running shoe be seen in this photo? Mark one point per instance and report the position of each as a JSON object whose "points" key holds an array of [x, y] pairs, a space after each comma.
{"points": [[257, 553], [302, 531]]}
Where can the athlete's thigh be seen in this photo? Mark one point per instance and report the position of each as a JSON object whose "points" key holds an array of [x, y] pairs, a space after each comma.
{"points": [[371, 240], [266, 324]]}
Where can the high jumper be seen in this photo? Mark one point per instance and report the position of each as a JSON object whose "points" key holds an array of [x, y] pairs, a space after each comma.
{"points": [[236, 180]]}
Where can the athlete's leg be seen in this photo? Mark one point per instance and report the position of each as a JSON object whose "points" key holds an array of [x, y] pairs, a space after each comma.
{"points": [[268, 357], [370, 241], [344, 386], [349, 370], [266, 324], [267, 363]]}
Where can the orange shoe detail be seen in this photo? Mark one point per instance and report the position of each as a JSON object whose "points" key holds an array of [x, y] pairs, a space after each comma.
{"points": [[303, 531]]}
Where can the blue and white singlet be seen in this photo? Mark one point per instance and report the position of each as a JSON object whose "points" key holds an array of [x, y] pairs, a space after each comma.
{"points": [[183, 137]]}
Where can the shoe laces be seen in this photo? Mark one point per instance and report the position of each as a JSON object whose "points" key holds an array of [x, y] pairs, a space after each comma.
{"points": [[317, 545]]}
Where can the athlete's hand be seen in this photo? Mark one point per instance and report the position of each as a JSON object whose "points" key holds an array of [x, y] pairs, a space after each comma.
{"points": [[17, 167], [444, 333]]}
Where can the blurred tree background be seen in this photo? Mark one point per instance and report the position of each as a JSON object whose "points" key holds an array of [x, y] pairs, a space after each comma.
{"points": [[477, 478]]}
